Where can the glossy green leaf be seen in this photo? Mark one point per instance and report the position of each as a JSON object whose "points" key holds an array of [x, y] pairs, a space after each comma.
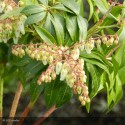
{"points": [[71, 25], [58, 26], [35, 18], [83, 25], [72, 5], [57, 92], [49, 26], [81, 6], [45, 35], [95, 80], [61, 7], [32, 9], [120, 56], [122, 74], [35, 90]]}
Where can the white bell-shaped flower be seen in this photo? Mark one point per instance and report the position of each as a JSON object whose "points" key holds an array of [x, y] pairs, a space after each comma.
{"points": [[8, 9], [58, 67], [20, 27], [63, 74], [87, 48]]}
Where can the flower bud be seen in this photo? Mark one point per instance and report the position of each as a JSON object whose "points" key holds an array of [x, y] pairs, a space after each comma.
{"points": [[104, 39], [63, 74]]}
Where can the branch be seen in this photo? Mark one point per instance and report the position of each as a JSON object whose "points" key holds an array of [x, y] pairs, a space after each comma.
{"points": [[94, 28], [113, 50], [45, 115], [25, 113], [15, 103]]}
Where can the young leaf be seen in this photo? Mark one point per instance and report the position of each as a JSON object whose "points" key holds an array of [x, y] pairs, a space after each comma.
{"points": [[35, 18], [58, 26], [83, 25], [32, 9], [45, 35]]}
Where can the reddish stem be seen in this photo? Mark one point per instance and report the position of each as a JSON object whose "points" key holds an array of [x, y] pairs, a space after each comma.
{"points": [[45, 115]]}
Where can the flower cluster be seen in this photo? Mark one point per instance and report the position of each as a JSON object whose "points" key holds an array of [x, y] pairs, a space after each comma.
{"points": [[64, 61], [90, 44], [11, 27]]}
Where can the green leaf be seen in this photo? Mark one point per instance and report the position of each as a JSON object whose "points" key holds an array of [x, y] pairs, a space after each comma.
{"points": [[35, 18], [83, 25], [45, 2], [91, 9], [58, 26], [72, 28], [57, 92], [72, 5], [45, 35], [49, 26], [14, 12], [61, 7], [123, 10], [32, 9], [121, 33], [95, 80], [120, 56], [121, 74], [81, 6], [35, 90]]}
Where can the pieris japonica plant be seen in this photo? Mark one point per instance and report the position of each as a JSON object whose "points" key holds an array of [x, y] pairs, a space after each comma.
{"points": [[53, 46]]}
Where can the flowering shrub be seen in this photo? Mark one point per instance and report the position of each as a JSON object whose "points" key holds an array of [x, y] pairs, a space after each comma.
{"points": [[53, 46]]}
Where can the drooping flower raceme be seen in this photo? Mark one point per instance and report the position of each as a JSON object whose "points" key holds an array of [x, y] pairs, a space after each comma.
{"points": [[64, 61], [12, 27]]}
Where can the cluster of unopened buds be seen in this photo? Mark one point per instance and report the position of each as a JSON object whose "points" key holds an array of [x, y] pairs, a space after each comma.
{"points": [[92, 42], [64, 61], [12, 27]]}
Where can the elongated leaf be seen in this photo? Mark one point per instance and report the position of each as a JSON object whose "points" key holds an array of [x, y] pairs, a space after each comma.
{"points": [[49, 26], [35, 18], [72, 5], [120, 56], [71, 25], [32, 9], [95, 80], [91, 9], [58, 28], [61, 7], [81, 6], [57, 92], [122, 74], [35, 90], [83, 25], [45, 35]]}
